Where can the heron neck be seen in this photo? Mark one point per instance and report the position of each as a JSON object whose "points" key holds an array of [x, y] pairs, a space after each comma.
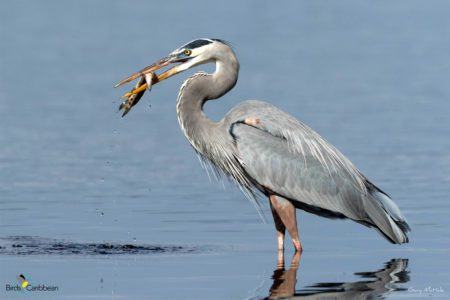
{"points": [[194, 92]]}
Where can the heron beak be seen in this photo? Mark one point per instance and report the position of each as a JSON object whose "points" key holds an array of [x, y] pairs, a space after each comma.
{"points": [[157, 65], [152, 68]]}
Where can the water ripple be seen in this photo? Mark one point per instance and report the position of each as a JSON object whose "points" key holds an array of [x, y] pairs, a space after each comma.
{"points": [[35, 245]]}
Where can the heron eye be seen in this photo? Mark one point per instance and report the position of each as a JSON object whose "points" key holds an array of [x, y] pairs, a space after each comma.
{"points": [[187, 52]]}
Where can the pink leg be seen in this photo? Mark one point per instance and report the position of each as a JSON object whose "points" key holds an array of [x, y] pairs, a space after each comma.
{"points": [[284, 210], [281, 229]]}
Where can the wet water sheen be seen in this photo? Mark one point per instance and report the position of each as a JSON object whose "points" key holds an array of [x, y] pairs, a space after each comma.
{"points": [[35, 245], [109, 207]]}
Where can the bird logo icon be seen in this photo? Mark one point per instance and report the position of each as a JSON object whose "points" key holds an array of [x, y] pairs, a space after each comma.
{"points": [[23, 282]]}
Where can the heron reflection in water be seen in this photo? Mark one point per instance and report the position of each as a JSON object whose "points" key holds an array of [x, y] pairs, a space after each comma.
{"points": [[379, 283], [265, 150]]}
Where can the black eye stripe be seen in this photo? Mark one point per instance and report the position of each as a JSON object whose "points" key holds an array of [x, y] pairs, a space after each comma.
{"points": [[197, 43]]}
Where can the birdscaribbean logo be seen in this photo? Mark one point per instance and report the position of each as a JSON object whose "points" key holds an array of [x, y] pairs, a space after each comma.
{"points": [[24, 285]]}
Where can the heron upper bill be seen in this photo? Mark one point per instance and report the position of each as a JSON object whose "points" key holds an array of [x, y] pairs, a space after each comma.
{"points": [[157, 65]]}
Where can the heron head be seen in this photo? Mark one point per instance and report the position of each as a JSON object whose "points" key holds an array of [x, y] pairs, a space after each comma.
{"points": [[192, 54]]}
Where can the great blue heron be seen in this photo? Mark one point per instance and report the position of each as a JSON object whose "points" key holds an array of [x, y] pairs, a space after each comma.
{"points": [[264, 149]]}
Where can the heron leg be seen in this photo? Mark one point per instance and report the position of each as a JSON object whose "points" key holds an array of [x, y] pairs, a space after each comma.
{"points": [[281, 229], [285, 211]]}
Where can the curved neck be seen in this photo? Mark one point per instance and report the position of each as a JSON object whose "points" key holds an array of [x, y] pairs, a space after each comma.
{"points": [[198, 89]]}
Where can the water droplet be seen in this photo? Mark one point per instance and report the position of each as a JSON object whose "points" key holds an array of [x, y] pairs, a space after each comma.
{"points": [[102, 214]]}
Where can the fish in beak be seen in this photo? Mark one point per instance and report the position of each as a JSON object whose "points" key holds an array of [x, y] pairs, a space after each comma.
{"points": [[133, 99], [148, 78]]}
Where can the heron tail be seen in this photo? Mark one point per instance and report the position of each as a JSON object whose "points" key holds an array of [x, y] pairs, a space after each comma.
{"points": [[385, 216]]}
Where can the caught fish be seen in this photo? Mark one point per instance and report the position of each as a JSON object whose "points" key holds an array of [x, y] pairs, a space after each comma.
{"points": [[133, 99]]}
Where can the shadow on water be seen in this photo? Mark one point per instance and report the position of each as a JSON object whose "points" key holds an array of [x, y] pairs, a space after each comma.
{"points": [[383, 281], [34, 245]]}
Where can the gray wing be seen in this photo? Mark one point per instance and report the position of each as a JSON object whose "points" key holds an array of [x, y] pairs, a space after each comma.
{"points": [[286, 157], [290, 159]]}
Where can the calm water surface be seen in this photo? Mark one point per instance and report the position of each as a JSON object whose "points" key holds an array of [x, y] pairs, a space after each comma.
{"points": [[105, 207]]}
